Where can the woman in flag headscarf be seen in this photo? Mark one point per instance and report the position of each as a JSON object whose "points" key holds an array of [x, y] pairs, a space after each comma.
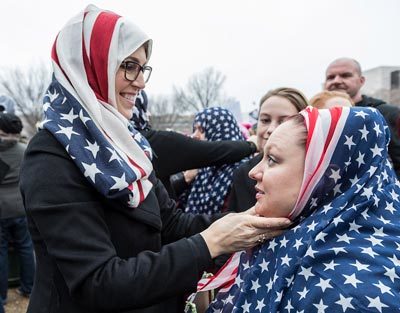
{"points": [[190, 153], [107, 237], [341, 191], [210, 188]]}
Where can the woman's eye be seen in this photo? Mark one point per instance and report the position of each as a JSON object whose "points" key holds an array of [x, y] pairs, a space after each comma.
{"points": [[131, 67], [271, 160], [265, 121]]}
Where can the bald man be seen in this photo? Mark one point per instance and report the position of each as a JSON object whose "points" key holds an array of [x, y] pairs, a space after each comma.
{"points": [[345, 75]]}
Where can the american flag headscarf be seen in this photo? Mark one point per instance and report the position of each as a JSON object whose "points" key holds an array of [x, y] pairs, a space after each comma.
{"points": [[212, 183], [140, 117], [80, 104], [344, 255]]}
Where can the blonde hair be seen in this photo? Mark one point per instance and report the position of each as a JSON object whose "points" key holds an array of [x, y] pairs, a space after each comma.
{"points": [[296, 97], [319, 100]]}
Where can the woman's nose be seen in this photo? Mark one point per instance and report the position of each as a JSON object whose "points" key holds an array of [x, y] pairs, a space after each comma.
{"points": [[196, 134], [255, 172], [139, 81], [271, 128]]}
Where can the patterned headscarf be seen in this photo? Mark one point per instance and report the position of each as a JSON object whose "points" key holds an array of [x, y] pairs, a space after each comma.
{"points": [[80, 105], [211, 184], [140, 117], [344, 255]]}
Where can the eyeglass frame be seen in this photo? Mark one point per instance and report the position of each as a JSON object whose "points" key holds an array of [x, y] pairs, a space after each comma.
{"points": [[141, 69]]}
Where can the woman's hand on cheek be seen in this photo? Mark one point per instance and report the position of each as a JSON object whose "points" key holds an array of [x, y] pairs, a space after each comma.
{"points": [[240, 231]]}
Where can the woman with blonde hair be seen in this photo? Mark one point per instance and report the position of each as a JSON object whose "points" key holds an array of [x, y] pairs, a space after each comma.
{"points": [[327, 99], [276, 106]]}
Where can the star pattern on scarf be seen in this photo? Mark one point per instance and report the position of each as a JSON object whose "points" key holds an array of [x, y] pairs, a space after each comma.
{"points": [[344, 256], [99, 161]]}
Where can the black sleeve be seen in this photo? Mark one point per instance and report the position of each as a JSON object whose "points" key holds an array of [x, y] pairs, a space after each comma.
{"points": [[392, 114], [176, 223], [175, 152], [178, 184], [243, 193], [69, 216]]}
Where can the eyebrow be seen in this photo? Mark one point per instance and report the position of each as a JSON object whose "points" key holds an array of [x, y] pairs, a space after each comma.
{"points": [[268, 147], [280, 116], [134, 59]]}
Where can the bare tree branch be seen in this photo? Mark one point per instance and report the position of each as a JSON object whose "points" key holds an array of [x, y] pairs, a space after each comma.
{"points": [[202, 90], [27, 88], [164, 113]]}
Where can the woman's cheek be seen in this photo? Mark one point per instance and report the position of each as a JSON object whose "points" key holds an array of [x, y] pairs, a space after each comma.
{"points": [[261, 208]]}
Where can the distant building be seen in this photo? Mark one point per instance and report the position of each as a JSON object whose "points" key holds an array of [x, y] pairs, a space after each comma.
{"points": [[234, 107], [179, 123], [383, 82]]}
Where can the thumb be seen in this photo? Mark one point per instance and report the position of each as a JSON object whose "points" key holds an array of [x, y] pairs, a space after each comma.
{"points": [[251, 211]]}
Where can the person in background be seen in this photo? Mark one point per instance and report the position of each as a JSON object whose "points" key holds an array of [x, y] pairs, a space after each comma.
{"points": [[210, 188], [344, 74], [342, 252], [328, 99], [12, 213], [177, 170], [245, 129], [107, 236], [275, 107], [7, 104]]}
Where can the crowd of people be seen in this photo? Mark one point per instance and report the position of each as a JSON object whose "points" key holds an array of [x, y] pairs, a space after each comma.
{"points": [[303, 215]]}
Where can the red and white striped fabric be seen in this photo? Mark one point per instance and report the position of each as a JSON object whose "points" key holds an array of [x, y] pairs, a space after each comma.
{"points": [[324, 130], [86, 55], [223, 279]]}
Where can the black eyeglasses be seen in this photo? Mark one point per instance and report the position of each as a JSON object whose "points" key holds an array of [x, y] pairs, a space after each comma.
{"points": [[132, 70]]}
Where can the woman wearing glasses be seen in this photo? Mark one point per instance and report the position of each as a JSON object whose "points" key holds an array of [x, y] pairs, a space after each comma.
{"points": [[107, 237]]}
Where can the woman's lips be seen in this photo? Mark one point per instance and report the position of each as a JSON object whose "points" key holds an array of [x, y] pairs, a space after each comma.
{"points": [[259, 193], [129, 97]]}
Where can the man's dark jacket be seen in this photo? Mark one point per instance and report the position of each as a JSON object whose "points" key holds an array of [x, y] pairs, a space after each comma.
{"points": [[391, 114]]}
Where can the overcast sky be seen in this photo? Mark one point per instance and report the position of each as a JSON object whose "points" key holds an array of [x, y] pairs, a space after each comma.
{"points": [[257, 44]]}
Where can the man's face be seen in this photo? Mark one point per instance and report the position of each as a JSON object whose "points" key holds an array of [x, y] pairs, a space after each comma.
{"points": [[343, 76]]}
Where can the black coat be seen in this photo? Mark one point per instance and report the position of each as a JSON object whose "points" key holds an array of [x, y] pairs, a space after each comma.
{"points": [[391, 113], [243, 193], [97, 255], [11, 154]]}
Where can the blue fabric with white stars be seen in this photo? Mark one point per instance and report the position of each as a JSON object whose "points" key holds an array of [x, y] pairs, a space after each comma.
{"points": [[211, 185], [97, 159], [344, 255]]}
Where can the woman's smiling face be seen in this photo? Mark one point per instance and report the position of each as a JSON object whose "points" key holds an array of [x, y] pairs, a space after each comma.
{"points": [[126, 91], [279, 174]]}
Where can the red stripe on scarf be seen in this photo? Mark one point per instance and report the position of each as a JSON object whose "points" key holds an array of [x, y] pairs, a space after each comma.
{"points": [[100, 40], [54, 55], [142, 172], [312, 120], [313, 116], [141, 193]]}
